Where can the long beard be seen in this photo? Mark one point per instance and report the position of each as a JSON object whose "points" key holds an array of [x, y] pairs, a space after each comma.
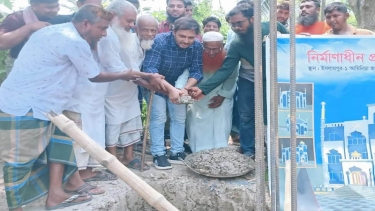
{"points": [[126, 38], [248, 37], [308, 20], [147, 44]]}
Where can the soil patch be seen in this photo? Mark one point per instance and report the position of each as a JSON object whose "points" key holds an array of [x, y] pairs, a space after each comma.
{"points": [[221, 162]]}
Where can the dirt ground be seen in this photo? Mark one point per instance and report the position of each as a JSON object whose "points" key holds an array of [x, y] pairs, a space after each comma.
{"points": [[185, 189]]}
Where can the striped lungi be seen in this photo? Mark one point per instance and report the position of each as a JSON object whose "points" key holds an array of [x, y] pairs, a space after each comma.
{"points": [[26, 146]]}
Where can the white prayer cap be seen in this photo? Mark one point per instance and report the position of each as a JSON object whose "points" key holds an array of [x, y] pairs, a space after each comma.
{"points": [[212, 36]]}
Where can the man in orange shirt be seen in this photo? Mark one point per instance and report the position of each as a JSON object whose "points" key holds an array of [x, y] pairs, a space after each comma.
{"points": [[308, 21]]}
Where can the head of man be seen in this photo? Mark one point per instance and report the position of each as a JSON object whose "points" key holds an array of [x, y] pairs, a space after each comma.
{"points": [[80, 3], [309, 12], [135, 3], [336, 15], [211, 24], [241, 20], [92, 22], [245, 2], [175, 9], [189, 8], [125, 14], [147, 27], [283, 12], [45, 9], [185, 30], [213, 43]]}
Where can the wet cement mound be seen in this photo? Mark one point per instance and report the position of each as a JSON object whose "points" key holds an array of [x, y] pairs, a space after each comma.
{"points": [[221, 163]]}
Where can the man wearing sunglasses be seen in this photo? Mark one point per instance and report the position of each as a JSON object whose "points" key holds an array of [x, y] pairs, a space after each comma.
{"points": [[241, 21]]}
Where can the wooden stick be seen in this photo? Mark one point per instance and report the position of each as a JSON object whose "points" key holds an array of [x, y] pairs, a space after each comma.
{"points": [[145, 134], [154, 198]]}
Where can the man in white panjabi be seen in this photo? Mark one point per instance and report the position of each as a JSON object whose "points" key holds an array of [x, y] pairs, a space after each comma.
{"points": [[209, 120], [123, 114]]}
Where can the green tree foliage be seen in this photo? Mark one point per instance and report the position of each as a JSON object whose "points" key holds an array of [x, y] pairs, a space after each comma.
{"points": [[202, 10]]}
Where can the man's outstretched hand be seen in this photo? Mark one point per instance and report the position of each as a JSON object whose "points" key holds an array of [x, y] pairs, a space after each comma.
{"points": [[157, 81], [174, 95], [216, 101], [195, 93]]}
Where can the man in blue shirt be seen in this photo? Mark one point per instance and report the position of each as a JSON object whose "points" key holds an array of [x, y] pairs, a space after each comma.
{"points": [[171, 54]]}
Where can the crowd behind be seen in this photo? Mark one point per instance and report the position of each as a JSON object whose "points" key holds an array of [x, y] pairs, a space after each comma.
{"points": [[97, 65]]}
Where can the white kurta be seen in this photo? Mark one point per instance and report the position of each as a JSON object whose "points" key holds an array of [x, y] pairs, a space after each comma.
{"points": [[210, 128], [88, 100], [121, 102]]}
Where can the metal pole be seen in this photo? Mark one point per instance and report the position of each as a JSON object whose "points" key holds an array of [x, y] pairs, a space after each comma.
{"points": [[259, 123], [322, 6], [274, 144], [292, 104]]}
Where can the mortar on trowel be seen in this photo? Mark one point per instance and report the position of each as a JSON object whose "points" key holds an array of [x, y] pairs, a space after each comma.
{"points": [[220, 163]]}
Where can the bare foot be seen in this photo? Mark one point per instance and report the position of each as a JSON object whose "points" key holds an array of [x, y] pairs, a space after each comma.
{"points": [[57, 197]]}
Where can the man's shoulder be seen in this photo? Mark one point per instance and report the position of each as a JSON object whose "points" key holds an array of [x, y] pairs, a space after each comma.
{"points": [[364, 32], [197, 43], [16, 15], [58, 33], [162, 38], [14, 20], [59, 19]]}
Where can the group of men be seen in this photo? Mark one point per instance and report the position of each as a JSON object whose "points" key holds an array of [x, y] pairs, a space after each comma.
{"points": [[89, 66]]}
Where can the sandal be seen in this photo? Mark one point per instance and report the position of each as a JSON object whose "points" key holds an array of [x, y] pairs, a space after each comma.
{"points": [[86, 188], [101, 176], [70, 202], [136, 164]]}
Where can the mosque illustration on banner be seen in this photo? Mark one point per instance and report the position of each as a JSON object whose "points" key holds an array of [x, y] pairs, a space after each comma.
{"points": [[301, 153], [284, 101], [301, 126], [348, 150]]}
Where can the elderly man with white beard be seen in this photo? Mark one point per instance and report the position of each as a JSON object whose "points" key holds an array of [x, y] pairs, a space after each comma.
{"points": [[123, 115]]}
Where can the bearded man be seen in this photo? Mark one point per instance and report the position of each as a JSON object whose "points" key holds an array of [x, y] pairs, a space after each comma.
{"points": [[123, 114], [212, 114], [308, 21], [175, 10], [38, 157], [241, 20]]}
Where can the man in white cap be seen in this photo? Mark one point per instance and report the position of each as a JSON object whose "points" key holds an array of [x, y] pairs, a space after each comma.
{"points": [[213, 113]]}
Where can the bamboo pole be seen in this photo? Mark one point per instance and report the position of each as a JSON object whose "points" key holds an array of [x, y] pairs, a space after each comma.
{"points": [[154, 198], [145, 134]]}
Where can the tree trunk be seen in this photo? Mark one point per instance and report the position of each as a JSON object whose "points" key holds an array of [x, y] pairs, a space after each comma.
{"points": [[364, 13]]}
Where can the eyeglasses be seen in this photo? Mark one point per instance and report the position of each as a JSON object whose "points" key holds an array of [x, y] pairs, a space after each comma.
{"points": [[215, 50], [237, 24]]}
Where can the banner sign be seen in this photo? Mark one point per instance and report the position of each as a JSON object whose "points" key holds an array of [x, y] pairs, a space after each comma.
{"points": [[335, 101]]}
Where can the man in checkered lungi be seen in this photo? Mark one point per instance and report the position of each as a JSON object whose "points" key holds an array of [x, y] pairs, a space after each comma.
{"points": [[38, 157]]}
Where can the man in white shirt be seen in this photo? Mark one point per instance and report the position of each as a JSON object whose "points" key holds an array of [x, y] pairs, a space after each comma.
{"points": [[123, 114], [37, 160]]}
